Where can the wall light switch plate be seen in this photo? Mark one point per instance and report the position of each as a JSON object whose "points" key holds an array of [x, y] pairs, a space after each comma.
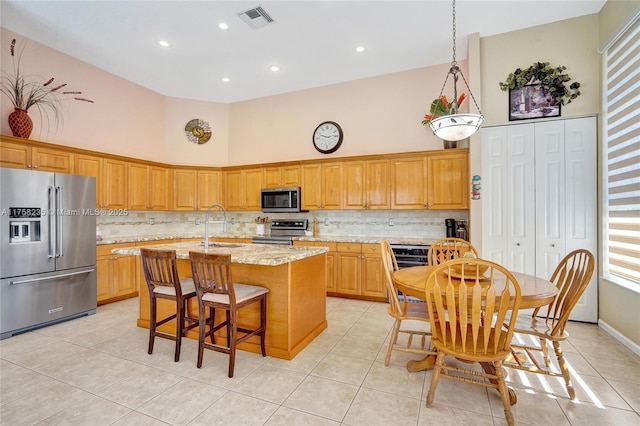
{"points": [[197, 221], [326, 221], [152, 221], [392, 222]]}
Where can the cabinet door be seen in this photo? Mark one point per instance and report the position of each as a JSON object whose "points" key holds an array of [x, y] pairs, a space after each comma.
{"points": [[332, 186], [124, 280], [372, 275], [103, 277], [208, 188], [253, 185], [234, 190], [115, 181], [15, 155], [348, 274], [159, 188], [88, 165], [290, 176], [377, 188], [272, 177], [408, 186], [185, 189], [138, 186], [354, 195], [448, 181], [311, 186], [51, 160]]}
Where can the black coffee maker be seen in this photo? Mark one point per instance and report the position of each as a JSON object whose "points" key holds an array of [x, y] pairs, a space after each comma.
{"points": [[451, 227]]}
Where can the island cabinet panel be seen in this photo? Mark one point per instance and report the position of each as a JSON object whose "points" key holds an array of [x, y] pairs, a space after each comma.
{"points": [[242, 189], [149, 187], [296, 305], [322, 186], [281, 177], [448, 181], [331, 261]]}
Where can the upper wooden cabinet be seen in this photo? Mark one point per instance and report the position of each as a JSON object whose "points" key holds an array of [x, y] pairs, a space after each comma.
{"points": [[278, 177], [366, 184], [149, 187], [242, 189], [195, 189], [23, 156], [434, 181], [322, 186], [448, 181], [111, 179], [408, 186]]}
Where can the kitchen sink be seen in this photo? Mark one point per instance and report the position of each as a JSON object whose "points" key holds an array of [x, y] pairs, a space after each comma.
{"points": [[227, 245]]}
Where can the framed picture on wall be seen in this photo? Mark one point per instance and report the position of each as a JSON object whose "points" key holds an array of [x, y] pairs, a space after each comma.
{"points": [[532, 101]]}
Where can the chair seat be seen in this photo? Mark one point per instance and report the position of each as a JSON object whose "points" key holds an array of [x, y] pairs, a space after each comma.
{"points": [[243, 293], [187, 285], [414, 311], [537, 327]]}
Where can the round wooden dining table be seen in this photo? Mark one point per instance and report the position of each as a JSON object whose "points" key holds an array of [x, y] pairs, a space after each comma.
{"points": [[535, 292]]}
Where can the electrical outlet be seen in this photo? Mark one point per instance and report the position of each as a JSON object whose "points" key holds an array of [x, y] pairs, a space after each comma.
{"points": [[391, 222], [326, 221], [152, 221], [197, 221], [233, 220]]}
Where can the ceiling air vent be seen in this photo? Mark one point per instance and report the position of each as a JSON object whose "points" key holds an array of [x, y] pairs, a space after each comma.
{"points": [[256, 17]]}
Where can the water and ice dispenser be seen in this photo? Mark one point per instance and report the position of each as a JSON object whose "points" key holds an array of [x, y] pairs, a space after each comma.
{"points": [[24, 224]]}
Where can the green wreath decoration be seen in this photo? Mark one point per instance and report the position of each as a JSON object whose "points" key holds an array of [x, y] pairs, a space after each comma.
{"points": [[552, 78]]}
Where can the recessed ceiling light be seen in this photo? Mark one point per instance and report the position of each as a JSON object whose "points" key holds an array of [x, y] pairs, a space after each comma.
{"points": [[226, 79], [223, 26], [360, 49], [164, 43], [275, 68]]}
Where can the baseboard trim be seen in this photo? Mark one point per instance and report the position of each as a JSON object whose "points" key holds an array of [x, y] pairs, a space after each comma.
{"points": [[620, 337]]}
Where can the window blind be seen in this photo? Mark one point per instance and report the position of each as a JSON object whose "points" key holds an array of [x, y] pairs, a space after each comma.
{"points": [[622, 155]]}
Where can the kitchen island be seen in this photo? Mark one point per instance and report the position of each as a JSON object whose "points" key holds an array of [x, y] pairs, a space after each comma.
{"points": [[295, 277]]}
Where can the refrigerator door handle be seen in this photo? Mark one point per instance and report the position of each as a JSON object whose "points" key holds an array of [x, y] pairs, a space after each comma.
{"points": [[59, 217], [52, 228], [33, 280]]}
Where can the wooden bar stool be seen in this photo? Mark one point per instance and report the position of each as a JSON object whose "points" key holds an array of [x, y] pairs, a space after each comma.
{"points": [[161, 275]]}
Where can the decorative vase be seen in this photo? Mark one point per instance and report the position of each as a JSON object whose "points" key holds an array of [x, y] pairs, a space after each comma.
{"points": [[20, 123], [450, 144]]}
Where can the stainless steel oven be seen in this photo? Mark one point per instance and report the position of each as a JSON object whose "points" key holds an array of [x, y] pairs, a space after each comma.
{"points": [[282, 231]]}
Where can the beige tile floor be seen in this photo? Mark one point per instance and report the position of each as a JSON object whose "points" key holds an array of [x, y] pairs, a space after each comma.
{"points": [[95, 370]]}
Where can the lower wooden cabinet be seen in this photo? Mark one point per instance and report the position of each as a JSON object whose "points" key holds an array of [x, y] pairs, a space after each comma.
{"points": [[354, 270], [116, 274]]}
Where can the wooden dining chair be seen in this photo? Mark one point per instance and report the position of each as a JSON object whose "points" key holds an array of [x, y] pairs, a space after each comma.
{"points": [[402, 309], [447, 249], [216, 290], [571, 278], [161, 275], [469, 300]]}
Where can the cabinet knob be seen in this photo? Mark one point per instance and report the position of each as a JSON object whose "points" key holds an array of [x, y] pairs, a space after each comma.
{"points": [[553, 245], [518, 244]]}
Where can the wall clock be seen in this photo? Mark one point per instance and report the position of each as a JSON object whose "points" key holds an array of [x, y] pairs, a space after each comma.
{"points": [[327, 137], [198, 131]]}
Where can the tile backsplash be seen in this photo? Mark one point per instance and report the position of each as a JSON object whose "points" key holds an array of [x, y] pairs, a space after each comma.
{"points": [[391, 223]]}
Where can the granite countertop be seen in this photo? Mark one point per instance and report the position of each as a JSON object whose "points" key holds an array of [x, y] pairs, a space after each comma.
{"points": [[253, 254], [319, 238]]}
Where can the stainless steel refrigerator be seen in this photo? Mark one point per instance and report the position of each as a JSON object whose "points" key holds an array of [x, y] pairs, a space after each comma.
{"points": [[47, 249]]}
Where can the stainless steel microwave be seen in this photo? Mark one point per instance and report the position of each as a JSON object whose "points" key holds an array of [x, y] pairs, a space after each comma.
{"points": [[280, 200]]}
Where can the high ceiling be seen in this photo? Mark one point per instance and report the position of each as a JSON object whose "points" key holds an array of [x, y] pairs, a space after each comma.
{"points": [[313, 41]]}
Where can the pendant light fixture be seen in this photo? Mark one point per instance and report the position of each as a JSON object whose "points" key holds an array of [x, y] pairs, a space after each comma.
{"points": [[456, 126]]}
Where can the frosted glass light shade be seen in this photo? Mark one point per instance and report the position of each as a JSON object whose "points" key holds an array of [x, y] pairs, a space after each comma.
{"points": [[456, 127]]}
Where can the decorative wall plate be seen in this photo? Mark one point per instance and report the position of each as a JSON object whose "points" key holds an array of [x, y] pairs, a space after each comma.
{"points": [[198, 131]]}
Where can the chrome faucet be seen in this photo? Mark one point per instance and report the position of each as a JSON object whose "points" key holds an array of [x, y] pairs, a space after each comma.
{"points": [[206, 223]]}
